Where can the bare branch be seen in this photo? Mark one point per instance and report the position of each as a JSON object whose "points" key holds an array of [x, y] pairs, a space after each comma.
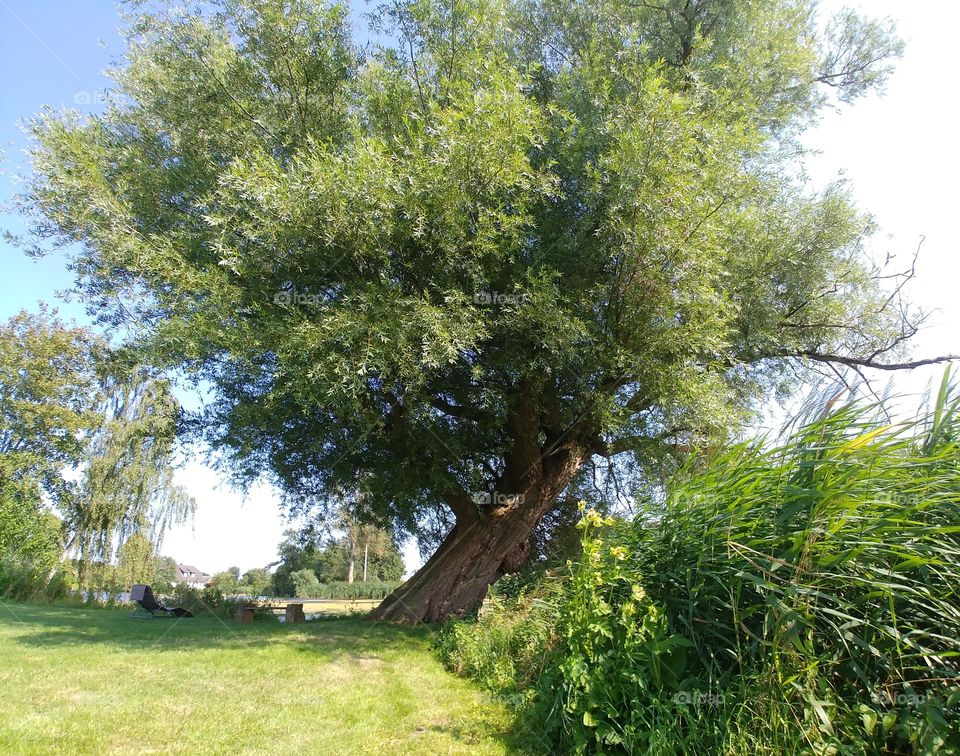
{"points": [[867, 362], [454, 410]]}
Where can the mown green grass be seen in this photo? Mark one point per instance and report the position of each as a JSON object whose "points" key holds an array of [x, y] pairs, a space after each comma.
{"points": [[94, 680]]}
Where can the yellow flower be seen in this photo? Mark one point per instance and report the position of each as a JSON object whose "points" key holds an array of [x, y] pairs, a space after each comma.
{"points": [[619, 553], [591, 519]]}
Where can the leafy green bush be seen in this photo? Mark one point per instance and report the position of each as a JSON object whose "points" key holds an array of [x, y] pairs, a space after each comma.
{"points": [[206, 601], [510, 645], [27, 529], [18, 578], [24, 580], [305, 583], [801, 598]]}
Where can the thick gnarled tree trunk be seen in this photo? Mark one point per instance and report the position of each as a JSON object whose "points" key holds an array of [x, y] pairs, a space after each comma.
{"points": [[486, 542], [454, 581]]}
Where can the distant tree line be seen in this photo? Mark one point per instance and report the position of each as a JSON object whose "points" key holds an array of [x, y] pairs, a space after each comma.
{"points": [[357, 554], [323, 563]]}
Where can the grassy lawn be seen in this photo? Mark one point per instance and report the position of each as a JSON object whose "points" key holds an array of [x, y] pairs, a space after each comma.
{"points": [[94, 680]]}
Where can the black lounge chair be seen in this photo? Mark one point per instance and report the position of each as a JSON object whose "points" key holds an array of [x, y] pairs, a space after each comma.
{"points": [[148, 606]]}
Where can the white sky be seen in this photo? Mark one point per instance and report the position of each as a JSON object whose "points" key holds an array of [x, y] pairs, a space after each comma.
{"points": [[901, 155]]}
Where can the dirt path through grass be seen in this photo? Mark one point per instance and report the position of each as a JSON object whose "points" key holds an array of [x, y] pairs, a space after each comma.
{"points": [[82, 680]]}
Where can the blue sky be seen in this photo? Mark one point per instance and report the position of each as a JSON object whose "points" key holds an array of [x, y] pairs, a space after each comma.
{"points": [[900, 152], [50, 54]]}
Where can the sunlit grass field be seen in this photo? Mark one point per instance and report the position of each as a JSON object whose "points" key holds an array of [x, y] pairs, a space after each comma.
{"points": [[334, 607], [94, 681]]}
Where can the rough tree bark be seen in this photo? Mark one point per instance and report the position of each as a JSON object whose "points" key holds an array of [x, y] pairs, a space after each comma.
{"points": [[489, 541]]}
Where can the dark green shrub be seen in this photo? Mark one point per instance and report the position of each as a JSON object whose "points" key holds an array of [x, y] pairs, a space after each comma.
{"points": [[18, 578], [57, 587], [210, 601]]}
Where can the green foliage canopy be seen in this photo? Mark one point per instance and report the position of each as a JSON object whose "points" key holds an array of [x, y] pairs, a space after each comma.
{"points": [[49, 381], [377, 257], [256, 581], [48, 384]]}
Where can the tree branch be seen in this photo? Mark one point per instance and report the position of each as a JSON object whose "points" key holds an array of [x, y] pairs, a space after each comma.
{"points": [[454, 410], [866, 362], [462, 506]]}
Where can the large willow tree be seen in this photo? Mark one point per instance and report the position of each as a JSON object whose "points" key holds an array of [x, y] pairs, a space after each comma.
{"points": [[499, 241]]}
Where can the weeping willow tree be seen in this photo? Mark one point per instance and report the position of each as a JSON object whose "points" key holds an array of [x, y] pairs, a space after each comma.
{"points": [[128, 486], [70, 403]]}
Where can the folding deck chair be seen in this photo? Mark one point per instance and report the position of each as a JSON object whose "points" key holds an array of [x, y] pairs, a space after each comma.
{"points": [[148, 606]]}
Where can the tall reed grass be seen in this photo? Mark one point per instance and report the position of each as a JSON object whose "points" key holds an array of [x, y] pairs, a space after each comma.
{"points": [[802, 596]]}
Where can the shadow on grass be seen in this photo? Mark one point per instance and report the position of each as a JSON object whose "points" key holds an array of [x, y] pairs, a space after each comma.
{"points": [[52, 625]]}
